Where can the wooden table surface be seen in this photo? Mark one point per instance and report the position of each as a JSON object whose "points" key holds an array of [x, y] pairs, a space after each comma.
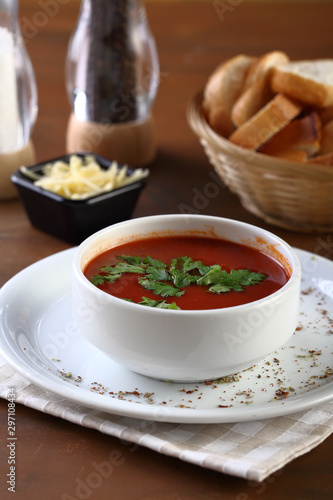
{"points": [[192, 38]]}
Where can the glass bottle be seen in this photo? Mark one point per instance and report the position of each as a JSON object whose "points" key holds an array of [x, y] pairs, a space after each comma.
{"points": [[112, 73], [18, 99]]}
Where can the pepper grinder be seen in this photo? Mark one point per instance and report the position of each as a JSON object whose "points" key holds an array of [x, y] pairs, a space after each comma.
{"points": [[112, 73], [18, 99]]}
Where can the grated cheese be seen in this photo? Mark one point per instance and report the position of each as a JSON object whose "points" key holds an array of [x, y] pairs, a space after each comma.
{"points": [[83, 178]]}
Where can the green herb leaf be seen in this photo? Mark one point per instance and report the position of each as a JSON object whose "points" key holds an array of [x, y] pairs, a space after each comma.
{"points": [[131, 259], [219, 288], [156, 273], [213, 275], [123, 267], [187, 264], [160, 288], [159, 304], [154, 263], [180, 279], [246, 278], [184, 264], [223, 281], [99, 279]]}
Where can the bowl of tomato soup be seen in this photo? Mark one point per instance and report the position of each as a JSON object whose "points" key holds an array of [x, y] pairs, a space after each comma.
{"points": [[186, 297]]}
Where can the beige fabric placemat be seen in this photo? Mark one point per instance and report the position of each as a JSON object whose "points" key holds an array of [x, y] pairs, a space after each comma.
{"points": [[251, 450]]}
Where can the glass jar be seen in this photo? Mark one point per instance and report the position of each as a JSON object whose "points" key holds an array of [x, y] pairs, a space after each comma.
{"points": [[112, 74], [18, 99]]}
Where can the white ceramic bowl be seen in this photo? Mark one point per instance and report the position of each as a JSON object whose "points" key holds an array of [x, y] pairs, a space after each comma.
{"points": [[185, 345]]}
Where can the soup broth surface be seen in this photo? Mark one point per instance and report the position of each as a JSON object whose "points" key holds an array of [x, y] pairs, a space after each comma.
{"points": [[210, 252]]}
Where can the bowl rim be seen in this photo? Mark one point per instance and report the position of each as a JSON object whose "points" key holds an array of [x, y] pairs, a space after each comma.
{"points": [[293, 280]]}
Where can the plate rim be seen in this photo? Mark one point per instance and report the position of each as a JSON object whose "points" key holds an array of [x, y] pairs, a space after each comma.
{"points": [[159, 413]]}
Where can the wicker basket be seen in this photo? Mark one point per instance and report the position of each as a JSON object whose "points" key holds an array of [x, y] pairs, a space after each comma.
{"points": [[284, 193]]}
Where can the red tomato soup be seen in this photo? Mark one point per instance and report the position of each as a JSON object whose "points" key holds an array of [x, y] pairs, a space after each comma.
{"points": [[210, 252]]}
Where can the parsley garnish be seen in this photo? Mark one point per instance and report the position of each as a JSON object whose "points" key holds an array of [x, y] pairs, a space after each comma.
{"points": [[159, 274], [99, 280], [159, 304], [225, 282], [160, 288], [171, 281]]}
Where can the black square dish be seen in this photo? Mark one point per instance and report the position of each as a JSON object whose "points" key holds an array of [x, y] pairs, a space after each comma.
{"points": [[75, 220]]}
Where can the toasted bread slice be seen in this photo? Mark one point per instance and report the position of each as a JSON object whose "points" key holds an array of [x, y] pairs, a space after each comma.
{"points": [[266, 122], [300, 138], [327, 139], [257, 91], [309, 81], [221, 91], [293, 155], [263, 65], [322, 160], [326, 114], [251, 101]]}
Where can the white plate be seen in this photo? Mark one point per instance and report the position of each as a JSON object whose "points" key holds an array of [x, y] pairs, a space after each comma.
{"points": [[39, 339]]}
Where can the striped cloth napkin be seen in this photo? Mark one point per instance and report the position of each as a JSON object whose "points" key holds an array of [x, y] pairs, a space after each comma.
{"points": [[251, 450]]}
